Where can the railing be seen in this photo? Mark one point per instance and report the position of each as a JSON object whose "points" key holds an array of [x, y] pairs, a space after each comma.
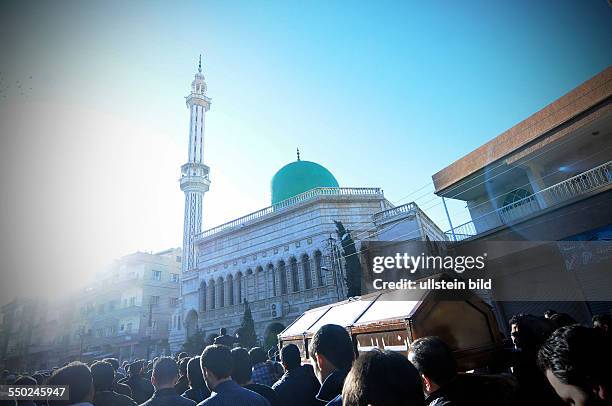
{"points": [[576, 186], [312, 193], [408, 208]]}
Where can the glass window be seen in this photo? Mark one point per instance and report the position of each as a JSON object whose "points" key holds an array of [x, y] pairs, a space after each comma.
{"points": [[157, 275], [174, 277]]}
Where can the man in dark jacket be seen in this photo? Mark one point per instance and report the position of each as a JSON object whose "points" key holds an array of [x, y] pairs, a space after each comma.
{"points": [[164, 377], [142, 389], [224, 339], [183, 383], [442, 384], [103, 375], [242, 375], [298, 386], [117, 385], [331, 350]]}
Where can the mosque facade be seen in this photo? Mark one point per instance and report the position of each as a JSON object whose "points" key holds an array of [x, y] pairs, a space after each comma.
{"points": [[284, 259]]}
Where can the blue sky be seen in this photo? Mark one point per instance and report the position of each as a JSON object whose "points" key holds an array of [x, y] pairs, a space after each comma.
{"points": [[381, 93]]}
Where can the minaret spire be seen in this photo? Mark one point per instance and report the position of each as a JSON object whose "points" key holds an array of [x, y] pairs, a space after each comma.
{"points": [[298, 153], [194, 174]]}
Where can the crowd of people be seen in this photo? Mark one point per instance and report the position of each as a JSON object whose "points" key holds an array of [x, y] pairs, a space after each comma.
{"points": [[553, 361]]}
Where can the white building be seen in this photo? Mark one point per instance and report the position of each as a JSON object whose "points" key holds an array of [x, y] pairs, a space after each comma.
{"points": [[281, 258]]}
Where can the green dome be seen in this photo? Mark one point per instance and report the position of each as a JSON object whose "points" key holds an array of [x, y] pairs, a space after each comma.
{"points": [[299, 177]]}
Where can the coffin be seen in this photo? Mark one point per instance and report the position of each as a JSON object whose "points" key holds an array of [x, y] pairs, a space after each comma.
{"points": [[386, 320]]}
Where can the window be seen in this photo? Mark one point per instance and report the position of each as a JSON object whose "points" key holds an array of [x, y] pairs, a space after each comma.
{"points": [[154, 300], [132, 301], [173, 301], [174, 277], [154, 325], [129, 327], [122, 328], [178, 258], [157, 275]]}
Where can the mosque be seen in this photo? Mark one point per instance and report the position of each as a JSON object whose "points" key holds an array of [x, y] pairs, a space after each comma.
{"points": [[282, 259]]}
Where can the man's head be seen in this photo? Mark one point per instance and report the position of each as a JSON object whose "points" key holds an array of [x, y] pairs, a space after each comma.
{"points": [[194, 373], [434, 360], [383, 379], [222, 331], [576, 361], [182, 355], [114, 362], [77, 376], [241, 366], [183, 366], [529, 332], [216, 363], [603, 322], [331, 349], [290, 357], [165, 373], [561, 320], [548, 313], [135, 368], [103, 375], [258, 355]]}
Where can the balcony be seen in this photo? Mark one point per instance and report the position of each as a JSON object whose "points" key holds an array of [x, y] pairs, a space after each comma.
{"points": [[595, 180], [309, 195], [390, 214]]}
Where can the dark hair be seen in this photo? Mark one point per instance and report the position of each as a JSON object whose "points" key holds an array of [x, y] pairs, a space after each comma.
{"points": [[290, 356], [548, 313], [165, 370], [577, 355], [223, 331], [218, 359], [434, 359], [604, 319], [241, 366], [334, 343], [135, 368], [113, 361], [194, 373], [182, 355], [76, 375], [103, 375], [258, 355], [561, 320], [383, 379], [532, 330], [182, 366], [26, 381]]}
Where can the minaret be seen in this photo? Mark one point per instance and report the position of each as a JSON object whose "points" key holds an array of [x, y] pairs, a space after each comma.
{"points": [[194, 174]]}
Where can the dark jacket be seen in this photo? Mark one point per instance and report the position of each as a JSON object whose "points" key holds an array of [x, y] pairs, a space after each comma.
{"points": [[266, 392], [475, 390], [226, 340], [142, 389], [122, 389], [168, 397], [332, 386], [298, 387], [229, 393], [197, 394], [181, 385], [111, 398]]}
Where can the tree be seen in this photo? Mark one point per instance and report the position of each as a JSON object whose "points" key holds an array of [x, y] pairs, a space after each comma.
{"points": [[246, 333], [195, 343], [351, 260]]}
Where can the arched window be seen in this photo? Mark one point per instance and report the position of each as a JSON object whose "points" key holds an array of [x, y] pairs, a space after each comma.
{"points": [[295, 282], [239, 288], [260, 283], [230, 290], [220, 292], [282, 270], [271, 274], [317, 265], [306, 271], [212, 294], [203, 292]]}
